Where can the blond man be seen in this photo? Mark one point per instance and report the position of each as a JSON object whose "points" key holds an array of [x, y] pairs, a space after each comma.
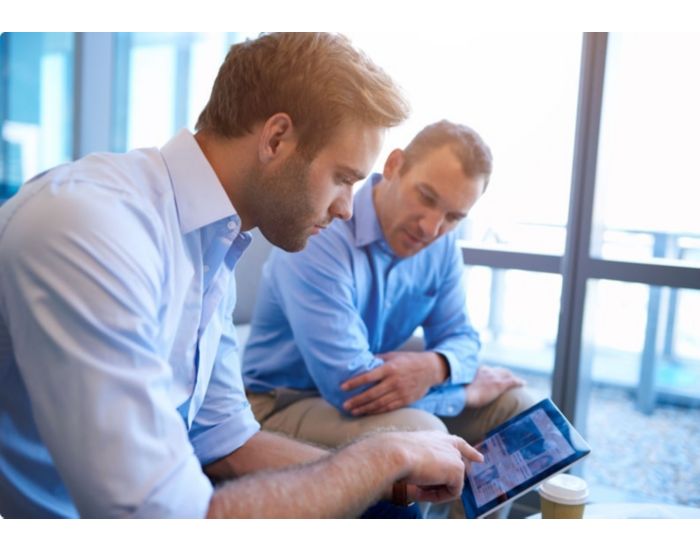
{"points": [[121, 393]]}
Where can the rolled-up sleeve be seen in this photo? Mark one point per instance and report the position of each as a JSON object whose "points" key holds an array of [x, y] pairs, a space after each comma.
{"points": [[225, 420], [81, 303]]}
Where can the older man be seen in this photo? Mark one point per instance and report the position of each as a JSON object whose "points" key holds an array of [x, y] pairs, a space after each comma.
{"points": [[323, 361]]}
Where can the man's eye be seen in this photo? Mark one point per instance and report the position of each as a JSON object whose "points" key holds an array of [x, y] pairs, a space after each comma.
{"points": [[427, 199]]}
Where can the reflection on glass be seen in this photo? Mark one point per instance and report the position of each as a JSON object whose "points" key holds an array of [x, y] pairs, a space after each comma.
{"points": [[646, 193], [641, 360], [519, 91], [516, 314], [36, 105]]}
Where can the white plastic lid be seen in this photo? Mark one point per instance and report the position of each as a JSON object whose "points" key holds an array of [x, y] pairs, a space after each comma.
{"points": [[565, 489]]}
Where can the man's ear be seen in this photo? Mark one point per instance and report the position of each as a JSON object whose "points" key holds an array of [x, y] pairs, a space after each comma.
{"points": [[393, 164], [278, 138]]}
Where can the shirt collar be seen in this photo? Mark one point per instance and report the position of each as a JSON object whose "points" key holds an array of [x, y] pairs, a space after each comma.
{"points": [[367, 228], [199, 195]]}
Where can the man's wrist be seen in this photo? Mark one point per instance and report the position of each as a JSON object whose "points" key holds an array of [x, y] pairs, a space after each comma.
{"points": [[442, 368], [391, 451]]}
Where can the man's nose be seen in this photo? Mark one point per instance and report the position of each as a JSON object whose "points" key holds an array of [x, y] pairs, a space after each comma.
{"points": [[342, 206], [431, 224]]}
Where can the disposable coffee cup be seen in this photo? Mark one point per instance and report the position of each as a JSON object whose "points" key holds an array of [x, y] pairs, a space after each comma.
{"points": [[563, 497]]}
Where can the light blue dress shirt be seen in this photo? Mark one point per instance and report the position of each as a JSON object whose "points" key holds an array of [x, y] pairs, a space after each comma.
{"points": [[323, 314], [119, 368]]}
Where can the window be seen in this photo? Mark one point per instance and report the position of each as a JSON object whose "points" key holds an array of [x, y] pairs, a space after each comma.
{"points": [[628, 345], [642, 355], [36, 105], [648, 177], [516, 315], [162, 83], [519, 92]]}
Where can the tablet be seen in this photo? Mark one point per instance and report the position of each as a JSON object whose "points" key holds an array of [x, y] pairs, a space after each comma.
{"points": [[519, 455]]}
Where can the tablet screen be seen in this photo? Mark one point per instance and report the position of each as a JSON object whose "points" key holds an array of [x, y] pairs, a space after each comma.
{"points": [[520, 454]]}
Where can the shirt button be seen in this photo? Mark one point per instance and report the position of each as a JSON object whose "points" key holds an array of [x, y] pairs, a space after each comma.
{"points": [[232, 225], [206, 268]]}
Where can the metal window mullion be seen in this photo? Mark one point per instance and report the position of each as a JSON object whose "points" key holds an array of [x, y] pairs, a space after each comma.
{"points": [[506, 259], [181, 84], [571, 382], [92, 107], [653, 272]]}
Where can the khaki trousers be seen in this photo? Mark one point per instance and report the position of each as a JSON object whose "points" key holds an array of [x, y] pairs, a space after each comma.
{"points": [[312, 419]]}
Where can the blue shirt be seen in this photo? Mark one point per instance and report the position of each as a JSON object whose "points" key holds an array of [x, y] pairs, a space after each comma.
{"points": [[119, 369], [323, 314]]}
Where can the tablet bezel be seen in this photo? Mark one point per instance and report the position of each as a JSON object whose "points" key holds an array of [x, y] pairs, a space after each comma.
{"points": [[581, 450]]}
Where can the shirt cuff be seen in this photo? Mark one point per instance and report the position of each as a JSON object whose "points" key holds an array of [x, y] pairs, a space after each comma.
{"points": [[222, 439], [461, 371], [443, 400]]}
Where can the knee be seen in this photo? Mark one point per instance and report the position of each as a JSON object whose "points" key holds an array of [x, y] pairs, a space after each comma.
{"points": [[411, 420], [514, 401]]}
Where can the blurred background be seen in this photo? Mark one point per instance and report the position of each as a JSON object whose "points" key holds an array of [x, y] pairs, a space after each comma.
{"points": [[582, 261]]}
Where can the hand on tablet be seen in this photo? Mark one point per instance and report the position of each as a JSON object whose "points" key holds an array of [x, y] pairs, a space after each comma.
{"points": [[521, 453], [489, 384], [436, 462]]}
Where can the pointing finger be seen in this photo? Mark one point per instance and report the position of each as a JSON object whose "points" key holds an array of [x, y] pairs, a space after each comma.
{"points": [[467, 451]]}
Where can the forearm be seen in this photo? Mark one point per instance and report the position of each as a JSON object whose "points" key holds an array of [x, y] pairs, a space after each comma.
{"points": [[439, 366], [403, 379], [339, 485], [264, 451]]}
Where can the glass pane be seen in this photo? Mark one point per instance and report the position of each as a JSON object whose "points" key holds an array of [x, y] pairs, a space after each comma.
{"points": [[519, 91], [516, 314], [162, 83], [36, 105], [641, 365], [648, 174]]}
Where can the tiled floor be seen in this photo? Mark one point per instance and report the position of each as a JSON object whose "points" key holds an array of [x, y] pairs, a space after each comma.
{"points": [[655, 456]]}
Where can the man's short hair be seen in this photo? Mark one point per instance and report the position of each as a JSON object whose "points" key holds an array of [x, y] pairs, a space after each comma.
{"points": [[472, 152], [319, 79]]}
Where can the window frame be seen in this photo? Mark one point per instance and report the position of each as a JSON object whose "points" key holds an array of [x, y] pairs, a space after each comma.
{"points": [[571, 379]]}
